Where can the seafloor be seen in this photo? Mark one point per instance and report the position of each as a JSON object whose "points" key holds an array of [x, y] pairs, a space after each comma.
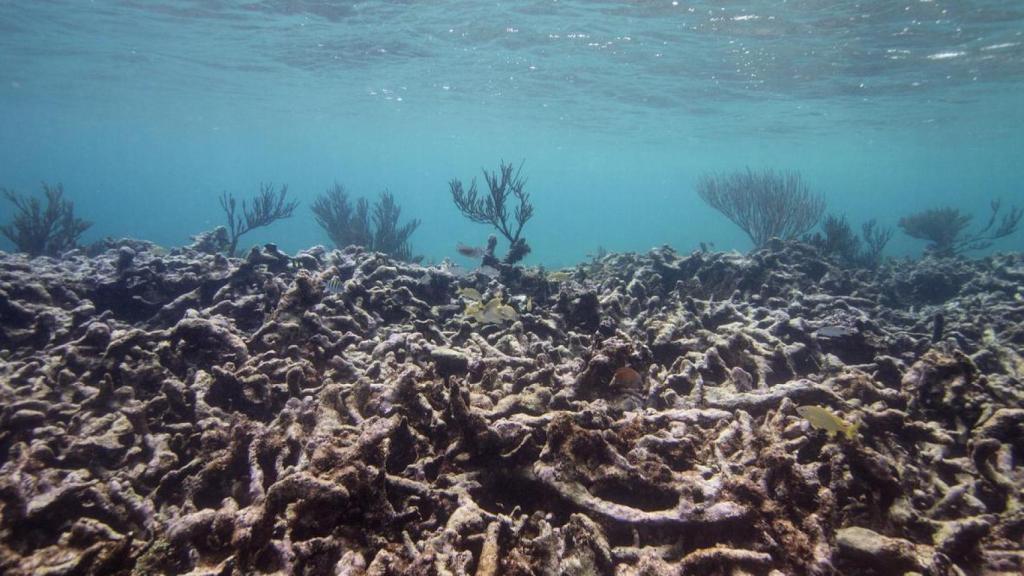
{"points": [[186, 413]]}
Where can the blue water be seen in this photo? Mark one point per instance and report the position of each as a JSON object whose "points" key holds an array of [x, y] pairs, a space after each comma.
{"points": [[147, 110]]}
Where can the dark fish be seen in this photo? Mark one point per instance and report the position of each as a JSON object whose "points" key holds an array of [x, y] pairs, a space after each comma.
{"points": [[469, 251], [627, 385], [938, 327], [626, 377]]}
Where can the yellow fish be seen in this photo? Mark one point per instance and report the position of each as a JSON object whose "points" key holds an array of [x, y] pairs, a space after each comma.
{"points": [[506, 312], [493, 312], [559, 276], [823, 419], [471, 294]]}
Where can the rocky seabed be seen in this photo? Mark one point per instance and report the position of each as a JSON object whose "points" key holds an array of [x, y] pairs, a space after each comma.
{"points": [[186, 413]]}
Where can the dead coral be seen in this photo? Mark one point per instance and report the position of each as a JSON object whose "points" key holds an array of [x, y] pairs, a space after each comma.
{"points": [[235, 416]]}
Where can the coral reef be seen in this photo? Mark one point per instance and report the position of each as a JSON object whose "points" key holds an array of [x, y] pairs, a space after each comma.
{"points": [[351, 227], [765, 205], [263, 209], [493, 209], [182, 412], [944, 228], [216, 241], [44, 231]]}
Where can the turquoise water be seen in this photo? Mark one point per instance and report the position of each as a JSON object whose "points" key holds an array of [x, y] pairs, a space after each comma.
{"points": [[147, 110]]}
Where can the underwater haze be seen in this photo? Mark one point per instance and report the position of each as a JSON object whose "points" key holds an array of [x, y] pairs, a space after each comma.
{"points": [[147, 110], [740, 289]]}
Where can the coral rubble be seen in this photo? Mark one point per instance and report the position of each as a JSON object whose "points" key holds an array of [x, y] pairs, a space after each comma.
{"points": [[184, 412]]}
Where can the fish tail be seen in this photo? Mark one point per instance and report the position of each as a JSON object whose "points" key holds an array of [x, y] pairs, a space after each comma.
{"points": [[851, 431]]}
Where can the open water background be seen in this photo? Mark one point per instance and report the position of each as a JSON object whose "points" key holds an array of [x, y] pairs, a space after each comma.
{"points": [[147, 110]]}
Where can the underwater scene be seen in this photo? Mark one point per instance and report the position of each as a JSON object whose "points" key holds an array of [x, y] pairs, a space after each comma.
{"points": [[535, 287]]}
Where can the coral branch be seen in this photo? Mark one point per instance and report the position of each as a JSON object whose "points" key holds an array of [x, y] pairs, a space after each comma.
{"points": [[44, 231], [943, 228], [388, 236], [685, 515], [765, 205], [493, 208], [265, 209], [334, 213], [837, 240], [347, 227], [720, 557]]}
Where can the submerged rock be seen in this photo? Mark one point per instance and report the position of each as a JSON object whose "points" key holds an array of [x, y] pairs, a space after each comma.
{"points": [[876, 552], [449, 362]]}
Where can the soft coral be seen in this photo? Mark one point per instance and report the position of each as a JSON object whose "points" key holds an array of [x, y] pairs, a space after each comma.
{"points": [[44, 231]]}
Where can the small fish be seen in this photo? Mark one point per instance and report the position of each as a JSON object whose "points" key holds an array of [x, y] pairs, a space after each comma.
{"points": [[493, 312], [469, 251], [559, 276], [938, 325], [522, 301], [334, 285], [471, 294], [449, 267], [627, 385], [626, 377], [507, 313], [823, 419], [836, 332]]}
